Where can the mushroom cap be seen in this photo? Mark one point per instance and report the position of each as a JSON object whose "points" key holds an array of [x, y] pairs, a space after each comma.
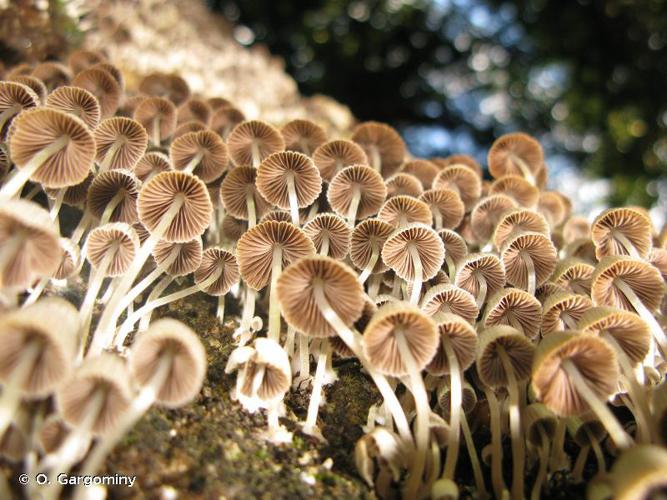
{"points": [[34, 84], [156, 110], [396, 251], [628, 222], [151, 163], [443, 396], [105, 186], [255, 250], [448, 203], [186, 127], [462, 180], [574, 275], [157, 196], [516, 221], [424, 170], [560, 303], [552, 206], [75, 195], [303, 136], [215, 157], [106, 373], [361, 179], [188, 258], [333, 156], [486, 264], [114, 71], [381, 140], [658, 259], [510, 306], [644, 279], [582, 248], [233, 228], [35, 258], [163, 337], [78, 102], [224, 119], [401, 210], [53, 323], [458, 159], [332, 227], [628, 330], [455, 245], [535, 246], [518, 348], [217, 103], [576, 227], [593, 357], [264, 136], [487, 213], [296, 294], [446, 298], [367, 235], [462, 339], [118, 238], [276, 214], [69, 259], [234, 190], [82, 58], [275, 172], [15, 94], [195, 109], [399, 318], [403, 183], [536, 416], [337, 344], [509, 150], [36, 129], [52, 73], [19, 69], [103, 86], [129, 138], [213, 260], [523, 192], [639, 472], [173, 87]]}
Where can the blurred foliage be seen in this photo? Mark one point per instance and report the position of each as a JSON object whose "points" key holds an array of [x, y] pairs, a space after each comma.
{"points": [[585, 76]]}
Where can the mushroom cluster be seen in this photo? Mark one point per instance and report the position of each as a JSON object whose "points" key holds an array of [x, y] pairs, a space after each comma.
{"points": [[479, 309]]}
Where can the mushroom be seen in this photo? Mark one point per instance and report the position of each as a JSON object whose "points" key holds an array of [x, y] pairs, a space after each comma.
{"points": [[402, 210], [303, 136], [380, 448], [290, 181], [463, 181], [187, 127], [515, 154], [112, 197], [14, 98], [34, 84], [518, 221], [446, 206], [82, 58], [516, 308], [240, 196], [356, 192], [401, 340], [455, 250], [458, 159], [403, 184], [574, 275], [481, 274], [576, 227], [78, 102], [424, 170], [121, 142], [383, 146], [562, 310], [366, 242], [622, 231], [588, 433], [574, 373], [333, 156], [50, 147], [540, 427], [103, 86], [113, 71], [523, 192], [195, 109], [503, 360], [415, 253], [450, 299], [639, 472], [158, 116], [251, 142], [68, 267], [224, 119], [171, 86], [202, 153], [551, 205], [529, 259], [330, 235], [151, 164], [486, 214]]}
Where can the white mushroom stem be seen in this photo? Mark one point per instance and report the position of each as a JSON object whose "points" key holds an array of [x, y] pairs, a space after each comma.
{"points": [[111, 206], [314, 209], [8, 113], [374, 285], [579, 463], [156, 292], [128, 325], [414, 479], [57, 204], [289, 342], [568, 321], [14, 185], [536, 492], [518, 443], [483, 290], [156, 131], [376, 159], [497, 449], [255, 154], [81, 227], [642, 310], [316, 395], [194, 162], [597, 451], [618, 435], [354, 206], [36, 292], [375, 255], [625, 243], [558, 459], [252, 209], [474, 459], [247, 314], [274, 306], [456, 399], [353, 341], [525, 170], [418, 274], [304, 357], [293, 200], [451, 267], [437, 218], [110, 155], [324, 246], [530, 272], [220, 311], [12, 388], [105, 329]]}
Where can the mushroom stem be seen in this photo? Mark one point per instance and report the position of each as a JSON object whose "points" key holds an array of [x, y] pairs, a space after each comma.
{"points": [[127, 326], [419, 274], [396, 288], [310, 427], [247, 315], [14, 185], [293, 201], [483, 290], [36, 292], [11, 389], [106, 326], [57, 204], [109, 155], [525, 171], [81, 227], [254, 153], [568, 321], [157, 290], [642, 310], [625, 243], [543, 467], [324, 247], [376, 159], [111, 206], [8, 113], [451, 267], [314, 209], [353, 341], [220, 311], [456, 398], [192, 164], [274, 306], [616, 432], [437, 218], [597, 451], [304, 357], [518, 443], [289, 342], [252, 210], [374, 285], [530, 271], [354, 206], [557, 458], [474, 459], [375, 255], [156, 131], [580, 462], [497, 453]]}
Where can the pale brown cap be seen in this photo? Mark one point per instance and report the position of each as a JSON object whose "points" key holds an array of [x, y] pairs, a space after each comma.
{"points": [[629, 223], [574, 275], [255, 250], [173, 87], [81, 59], [78, 102], [560, 304], [275, 172], [368, 235], [515, 154], [105, 186], [187, 127], [461, 337], [277, 215], [69, 260], [53, 324], [332, 228], [159, 111], [423, 170], [254, 134], [195, 109], [206, 143], [487, 212], [36, 129], [103, 86], [53, 74], [363, 180], [396, 253], [402, 183], [538, 417], [158, 194], [486, 264], [188, 257], [384, 147], [523, 192], [340, 287], [551, 205], [458, 159], [658, 259], [535, 246], [303, 136], [238, 184], [114, 71], [516, 221], [455, 246], [116, 238], [594, 358], [233, 228], [448, 298], [447, 203], [75, 195], [515, 308], [217, 103], [187, 361], [337, 344], [150, 164], [402, 210], [224, 119], [443, 395], [462, 180], [582, 248], [399, 318], [215, 260], [34, 84], [518, 348], [333, 156], [127, 136]]}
